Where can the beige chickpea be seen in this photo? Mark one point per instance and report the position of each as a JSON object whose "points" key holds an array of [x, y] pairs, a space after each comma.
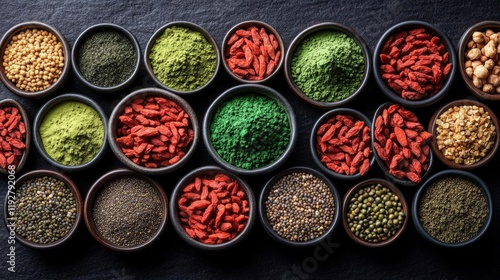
{"points": [[490, 50], [478, 37], [494, 80], [489, 64], [474, 54], [488, 88], [478, 83], [488, 32], [469, 71], [481, 72], [496, 70], [497, 89], [471, 44]]}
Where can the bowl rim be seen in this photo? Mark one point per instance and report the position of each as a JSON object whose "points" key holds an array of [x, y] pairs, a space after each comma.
{"points": [[461, 53], [100, 184], [312, 140], [174, 210], [7, 37], [27, 141], [81, 39], [193, 26], [336, 27], [245, 24], [40, 116], [453, 59], [395, 190], [262, 212], [69, 184], [118, 109], [432, 129], [446, 174], [240, 90]]}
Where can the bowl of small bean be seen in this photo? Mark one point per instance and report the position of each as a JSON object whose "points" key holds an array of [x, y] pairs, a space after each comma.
{"points": [[340, 144], [464, 134], [106, 57], [375, 213], [328, 65], [182, 57], [212, 209], [153, 131], [452, 209], [27, 47], [299, 207], [16, 145], [126, 211], [43, 210], [414, 63]]}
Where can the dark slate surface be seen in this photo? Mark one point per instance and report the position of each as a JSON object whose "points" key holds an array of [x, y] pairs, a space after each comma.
{"points": [[258, 257]]}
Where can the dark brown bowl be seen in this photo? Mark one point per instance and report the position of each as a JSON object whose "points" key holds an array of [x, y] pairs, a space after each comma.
{"points": [[67, 59], [432, 129], [99, 185], [32, 175], [27, 140], [345, 212]]}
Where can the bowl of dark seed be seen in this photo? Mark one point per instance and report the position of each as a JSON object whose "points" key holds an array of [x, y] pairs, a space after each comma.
{"points": [[299, 207], [375, 213], [126, 211], [44, 209], [453, 208]]}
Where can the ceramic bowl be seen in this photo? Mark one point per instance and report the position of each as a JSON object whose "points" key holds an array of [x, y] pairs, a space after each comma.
{"points": [[80, 41], [191, 26], [210, 172], [446, 174], [141, 94], [100, 185], [27, 138], [244, 26], [389, 91], [51, 104], [347, 202], [239, 91], [462, 52], [269, 228], [13, 31], [450, 163], [30, 176], [297, 41], [314, 143]]}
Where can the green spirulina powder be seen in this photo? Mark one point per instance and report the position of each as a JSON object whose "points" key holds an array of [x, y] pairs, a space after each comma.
{"points": [[107, 58], [183, 59], [328, 66], [250, 131]]}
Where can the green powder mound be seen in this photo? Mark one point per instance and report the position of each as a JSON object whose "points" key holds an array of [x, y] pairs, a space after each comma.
{"points": [[328, 66], [250, 131], [183, 59], [72, 133]]}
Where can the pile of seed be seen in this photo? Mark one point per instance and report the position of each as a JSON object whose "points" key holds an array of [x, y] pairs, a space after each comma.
{"points": [[128, 211], [375, 213], [453, 210], [45, 210], [300, 207]]}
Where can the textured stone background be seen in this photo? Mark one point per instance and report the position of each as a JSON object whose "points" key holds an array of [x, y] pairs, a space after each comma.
{"points": [[258, 257]]}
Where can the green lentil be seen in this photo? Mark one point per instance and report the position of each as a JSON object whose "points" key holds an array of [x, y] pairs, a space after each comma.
{"points": [[250, 131], [300, 207], [128, 211], [183, 59], [453, 210], [45, 210], [375, 213], [107, 58], [328, 66]]}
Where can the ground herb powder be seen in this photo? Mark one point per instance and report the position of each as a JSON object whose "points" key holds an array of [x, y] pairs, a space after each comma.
{"points": [[250, 131], [72, 133], [183, 59], [328, 66]]}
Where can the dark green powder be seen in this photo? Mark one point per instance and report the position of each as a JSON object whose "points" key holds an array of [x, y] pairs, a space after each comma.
{"points": [[250, 131], [328, 66], [107, 58]]}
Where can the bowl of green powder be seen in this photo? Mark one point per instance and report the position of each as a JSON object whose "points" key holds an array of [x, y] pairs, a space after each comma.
{"points": [[70, 132], [250, 129], [328, 65], [182, 57], [453, 209], [106, 57]]}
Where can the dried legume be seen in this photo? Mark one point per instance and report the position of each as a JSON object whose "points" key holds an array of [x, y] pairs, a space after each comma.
{"points": [[12, 137]]}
